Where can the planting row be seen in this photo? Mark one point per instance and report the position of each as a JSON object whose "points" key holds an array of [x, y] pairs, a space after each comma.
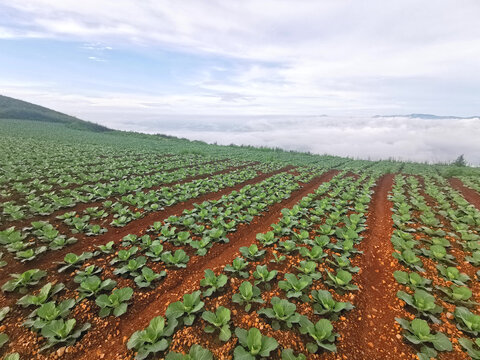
{"points": [[214, 219], [284, 293], [29, 242], [436, 239]]}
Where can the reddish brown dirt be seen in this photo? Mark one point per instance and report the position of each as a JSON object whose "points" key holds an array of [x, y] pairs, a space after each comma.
{"points": [[187, 280], [372, 332], [116, 234], [470, 195]]}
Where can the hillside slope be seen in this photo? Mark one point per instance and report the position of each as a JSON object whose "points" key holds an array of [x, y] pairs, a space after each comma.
{"points": [[11, 108]]}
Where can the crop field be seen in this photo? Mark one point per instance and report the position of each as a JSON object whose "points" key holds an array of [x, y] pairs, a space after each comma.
{"points": [[129, 246]]}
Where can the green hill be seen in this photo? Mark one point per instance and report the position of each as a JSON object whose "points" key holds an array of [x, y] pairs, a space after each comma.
{"points": [[11, 108]]}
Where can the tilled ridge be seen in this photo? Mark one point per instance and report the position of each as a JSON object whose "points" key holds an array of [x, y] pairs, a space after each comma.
{"points": [[470, 195], [85, 243], [82, 206], [187, 280], [371, 332]]}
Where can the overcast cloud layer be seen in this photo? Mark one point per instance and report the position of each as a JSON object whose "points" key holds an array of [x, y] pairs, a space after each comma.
{"points": [[149, 64]]}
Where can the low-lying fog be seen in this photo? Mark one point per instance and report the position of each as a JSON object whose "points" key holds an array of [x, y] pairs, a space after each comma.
{"points": [[403, 138]]}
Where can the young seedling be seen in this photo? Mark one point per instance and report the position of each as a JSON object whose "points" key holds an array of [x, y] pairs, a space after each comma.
{"points": [[48, 312], [247, 295], [153, 339], [214, 283], [220, 320], [104, 249], [316, 253], [281, 312], [148, 276], [179, 259], [238, 267], [340, 281], [324, 304], [196, 352], [3, 312], [408, 258], [262, 275], [93, 285], [288, 354], [252, 252], [321, 334], [413, 280], [73, 261], [418, 332], [60, 242], [45, 293], [132, 268], [294, 286], [267, 239], [277, 259], [187, 309], [287, 246], [472, 347], [21, 282], [117, 302], [459, 295], [62, 332], [467, 321], [253, 344], [453, 274], [202, 245], [423, 302], [309, 268], [124, 256], [87, 272], [322, 241], [439, 253]]}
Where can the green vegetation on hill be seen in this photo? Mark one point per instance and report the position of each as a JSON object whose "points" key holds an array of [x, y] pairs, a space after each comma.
{"points": [[21, 110], [38, 123]]}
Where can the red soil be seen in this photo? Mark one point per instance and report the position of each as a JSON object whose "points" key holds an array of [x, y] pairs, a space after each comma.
{"points": [[370, 329], [85, 243], [187, 280], [470, 195], [367, 332]]}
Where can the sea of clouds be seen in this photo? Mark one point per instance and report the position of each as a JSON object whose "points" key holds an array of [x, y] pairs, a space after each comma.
{"points": [[399, 137]]}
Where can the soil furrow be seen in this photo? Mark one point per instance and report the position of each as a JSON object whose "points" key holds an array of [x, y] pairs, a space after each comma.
{"points": [[470, 195], [372, 332], [187, 280]]}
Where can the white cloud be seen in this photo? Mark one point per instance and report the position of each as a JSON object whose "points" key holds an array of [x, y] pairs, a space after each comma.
{"points": [[94, 58], [326, 56], [366, 138]]}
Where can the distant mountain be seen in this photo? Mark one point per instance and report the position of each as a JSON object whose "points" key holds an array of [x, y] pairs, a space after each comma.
{"points": [[426, 116], [11, 108]]}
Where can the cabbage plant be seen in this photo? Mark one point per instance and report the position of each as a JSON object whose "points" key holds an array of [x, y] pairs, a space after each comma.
{"points": [[187, 309], [21, 282], [281, 312], [196, 352], [116, 302], [253, 345], [418, 332], [247, 295], [220, 320], [467, 321], [153, 339]]}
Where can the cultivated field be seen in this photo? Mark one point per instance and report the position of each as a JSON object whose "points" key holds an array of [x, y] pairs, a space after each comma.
{"points": [[129, 246]]}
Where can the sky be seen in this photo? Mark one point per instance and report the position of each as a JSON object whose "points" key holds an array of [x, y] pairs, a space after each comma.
{"points": [[203, 69]]}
